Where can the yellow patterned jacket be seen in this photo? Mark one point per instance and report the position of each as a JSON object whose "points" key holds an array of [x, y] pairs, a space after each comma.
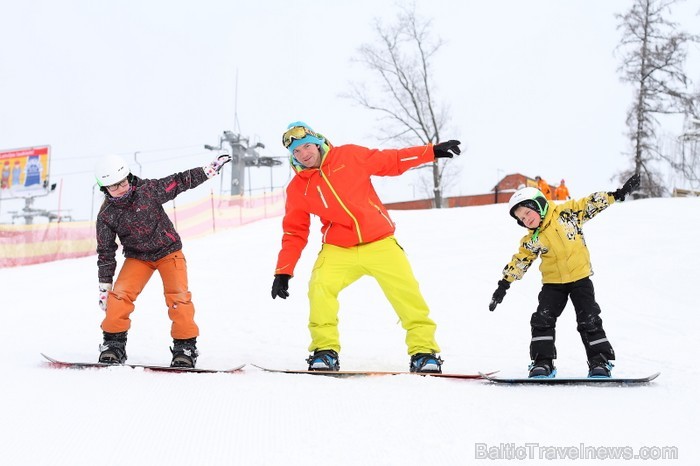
{"points": [[559, 242]]}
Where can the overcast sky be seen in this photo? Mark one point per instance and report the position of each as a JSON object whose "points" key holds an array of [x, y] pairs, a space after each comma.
{"points": [[532, 86]]}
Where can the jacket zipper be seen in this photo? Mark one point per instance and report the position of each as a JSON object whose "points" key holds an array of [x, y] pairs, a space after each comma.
{"points": [[323, 199], [347, 211], [386, 217], [325, 233]]}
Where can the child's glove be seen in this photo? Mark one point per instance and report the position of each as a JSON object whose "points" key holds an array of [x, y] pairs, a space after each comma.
{"points": [[630, 185], [499, 294], [280, 286], [105, 288], [447, 149], [214, 167]]}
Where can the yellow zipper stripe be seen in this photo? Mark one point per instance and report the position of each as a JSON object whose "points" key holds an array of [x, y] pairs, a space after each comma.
{"points": [[347, 211]]}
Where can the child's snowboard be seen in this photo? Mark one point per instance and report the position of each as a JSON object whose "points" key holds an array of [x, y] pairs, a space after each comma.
{"points": [[572, 380]]}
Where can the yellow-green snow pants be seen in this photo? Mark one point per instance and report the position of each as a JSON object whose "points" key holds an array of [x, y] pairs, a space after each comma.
{"points": [[338, 267]]}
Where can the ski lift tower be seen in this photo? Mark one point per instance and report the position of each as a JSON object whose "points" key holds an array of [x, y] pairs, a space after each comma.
{"points": [[242, 156]]}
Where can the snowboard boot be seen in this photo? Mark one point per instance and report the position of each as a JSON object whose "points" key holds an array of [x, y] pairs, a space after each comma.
{"points": [[542, 369], [324, 360], [600, 368], [113, 350], [426, 363], [184, 353]]}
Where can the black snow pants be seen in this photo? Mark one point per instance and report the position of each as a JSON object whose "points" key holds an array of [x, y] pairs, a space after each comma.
{"points": [[552, 300]]}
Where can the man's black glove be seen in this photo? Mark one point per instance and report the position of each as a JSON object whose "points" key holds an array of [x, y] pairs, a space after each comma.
{"points": [[499, 294], [280, 286], [630, 185], [446, 149]]}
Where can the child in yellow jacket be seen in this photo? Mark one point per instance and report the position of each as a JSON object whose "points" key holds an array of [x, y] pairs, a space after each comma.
{"points": [[556, 235]]}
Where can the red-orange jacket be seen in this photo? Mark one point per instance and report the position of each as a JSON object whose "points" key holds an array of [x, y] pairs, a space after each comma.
{"points": [[543, 186], [341, 194], [561, 193]]}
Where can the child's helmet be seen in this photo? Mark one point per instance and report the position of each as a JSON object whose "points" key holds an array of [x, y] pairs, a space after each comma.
{"points": [[529, 197], [110, 170]]}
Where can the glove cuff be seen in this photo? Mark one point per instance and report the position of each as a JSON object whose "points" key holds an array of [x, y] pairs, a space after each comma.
{"points": [[618, 195], [105, 286]]}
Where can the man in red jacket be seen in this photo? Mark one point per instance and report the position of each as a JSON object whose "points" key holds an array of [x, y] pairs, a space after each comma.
{"points": [[544, 188], [358, 239], [562, 192]]}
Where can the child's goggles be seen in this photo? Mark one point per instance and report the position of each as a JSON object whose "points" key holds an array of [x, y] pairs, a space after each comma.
{"points": [[295, 133]]}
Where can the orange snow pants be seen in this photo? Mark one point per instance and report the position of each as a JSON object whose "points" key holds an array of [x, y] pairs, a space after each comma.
{"points": [[130, 283]]}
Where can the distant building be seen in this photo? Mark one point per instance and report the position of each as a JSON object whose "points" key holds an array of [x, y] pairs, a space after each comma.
{"points": [[678, 192], [500, 193]]}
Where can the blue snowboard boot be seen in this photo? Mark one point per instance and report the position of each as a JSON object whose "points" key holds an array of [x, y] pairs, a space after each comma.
{"points": [[542, 370], [324, 360], [600, 369], [426, 363]]}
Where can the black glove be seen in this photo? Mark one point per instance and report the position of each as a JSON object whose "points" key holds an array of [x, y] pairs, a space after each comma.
{"points": [[443, 149], [280, 286], [499, 294], [630, 185]]}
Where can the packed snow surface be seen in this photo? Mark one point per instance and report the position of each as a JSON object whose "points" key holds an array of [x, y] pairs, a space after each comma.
{"points": [[645, 256]]}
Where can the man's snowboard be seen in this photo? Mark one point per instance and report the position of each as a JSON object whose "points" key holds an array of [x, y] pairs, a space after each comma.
{"points": [[572, 380], [90, 365], [371, 373]]}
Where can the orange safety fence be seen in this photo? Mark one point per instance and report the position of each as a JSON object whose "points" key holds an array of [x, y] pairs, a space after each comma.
{"points": [[46, 242]]}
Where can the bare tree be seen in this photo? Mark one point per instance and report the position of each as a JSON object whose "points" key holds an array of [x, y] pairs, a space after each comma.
{"points": [[653, 54], [401, 58]]}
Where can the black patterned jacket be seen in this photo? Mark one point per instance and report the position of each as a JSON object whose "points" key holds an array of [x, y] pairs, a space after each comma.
{"points": [[140, 222]]}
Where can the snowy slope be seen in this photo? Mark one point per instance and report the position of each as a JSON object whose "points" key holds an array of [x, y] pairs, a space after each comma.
{"points": [[645, 256]]}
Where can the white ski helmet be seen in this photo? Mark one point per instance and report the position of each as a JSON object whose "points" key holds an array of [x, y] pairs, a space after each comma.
{"points": [[529, 197], [111, 170]]}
